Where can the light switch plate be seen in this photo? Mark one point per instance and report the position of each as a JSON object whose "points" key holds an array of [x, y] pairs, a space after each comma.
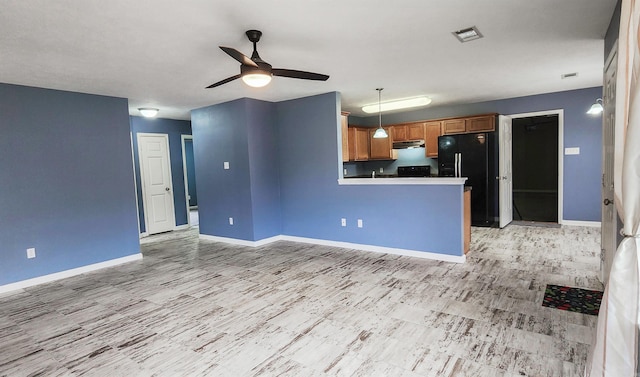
{"points": [[343, 222], [359, 223], [230, 220], [572, 151], [226, 165], [31, 252]]}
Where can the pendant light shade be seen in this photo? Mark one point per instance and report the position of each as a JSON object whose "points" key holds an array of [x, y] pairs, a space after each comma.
{"points": [[380, 132]]}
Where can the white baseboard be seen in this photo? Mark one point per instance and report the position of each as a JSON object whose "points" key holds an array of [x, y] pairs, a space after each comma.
{"points": [[593, 224], [346, 245], [144, 234], [68, 273], [235, 241], [181, 227]]}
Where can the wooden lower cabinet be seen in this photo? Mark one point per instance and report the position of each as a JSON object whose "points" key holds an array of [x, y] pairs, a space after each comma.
{"points": [[432, 131], [467, 219]]}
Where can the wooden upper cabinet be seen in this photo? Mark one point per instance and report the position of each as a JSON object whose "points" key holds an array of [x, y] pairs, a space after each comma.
{"points": [[406, 132], [400, 132], [483, 123], [344, 124], [358, 143], [415, 131], [432, 131], [453, 126], [381, 149]]}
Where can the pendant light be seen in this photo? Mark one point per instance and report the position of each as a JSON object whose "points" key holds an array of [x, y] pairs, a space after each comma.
{"points": [[380, 132]]}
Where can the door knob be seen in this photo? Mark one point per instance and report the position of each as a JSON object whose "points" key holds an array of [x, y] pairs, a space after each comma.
{"points": [[607, 202], [167, 189]]}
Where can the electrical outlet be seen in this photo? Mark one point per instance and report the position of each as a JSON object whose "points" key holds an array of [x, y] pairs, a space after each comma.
{"points": [[359, 223], [343, 222], [226, 165], [381, 170], [230, 220], [31, 252], [344, 172]]}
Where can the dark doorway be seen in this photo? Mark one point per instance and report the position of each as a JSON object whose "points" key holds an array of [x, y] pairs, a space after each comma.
{"points": [[535, 169]]}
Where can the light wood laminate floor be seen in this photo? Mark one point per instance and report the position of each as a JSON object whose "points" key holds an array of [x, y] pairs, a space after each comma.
{"points": [[201, 308]]}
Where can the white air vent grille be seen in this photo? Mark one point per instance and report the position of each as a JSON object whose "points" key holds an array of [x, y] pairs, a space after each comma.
{"points": [[468, 34]]}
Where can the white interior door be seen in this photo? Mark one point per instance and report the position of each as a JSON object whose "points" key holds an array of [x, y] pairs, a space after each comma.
{"points": [[609, 223], [505, 177], [157, 192]]}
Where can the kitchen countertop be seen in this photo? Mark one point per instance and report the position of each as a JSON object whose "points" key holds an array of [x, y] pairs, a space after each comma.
{"points": [[402, 181]]}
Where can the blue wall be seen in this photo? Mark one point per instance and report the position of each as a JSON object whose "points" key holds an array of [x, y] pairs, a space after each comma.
{"points": [[174, 128], [67, 181], [423, 218], [581, 172], [283, 180]]}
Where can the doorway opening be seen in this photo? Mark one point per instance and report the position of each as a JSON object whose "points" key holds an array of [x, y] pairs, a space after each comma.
{"points": [[536, 169], [189, 169]]}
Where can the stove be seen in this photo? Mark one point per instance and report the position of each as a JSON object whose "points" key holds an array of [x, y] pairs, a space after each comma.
{"points": [[414, 171]]}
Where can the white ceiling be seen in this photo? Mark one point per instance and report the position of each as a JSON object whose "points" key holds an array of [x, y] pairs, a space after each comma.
{"points": [[163, 53]]}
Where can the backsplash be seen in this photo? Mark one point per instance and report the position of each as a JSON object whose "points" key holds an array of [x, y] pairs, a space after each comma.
{"points": [[406, 157]]}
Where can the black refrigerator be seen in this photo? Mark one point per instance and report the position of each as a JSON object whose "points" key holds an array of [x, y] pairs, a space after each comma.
{"points": [[472, 156]]}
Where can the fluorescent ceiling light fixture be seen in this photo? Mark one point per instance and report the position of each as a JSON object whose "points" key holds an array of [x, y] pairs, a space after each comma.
{"points": [[596, 108], [256, 80], [397, 105], [468, 34], [148, 112], [380, 132]]}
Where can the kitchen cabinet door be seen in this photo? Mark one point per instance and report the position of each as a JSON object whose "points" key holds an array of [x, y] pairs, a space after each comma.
{"points": [[380, 149], [432, 131], [358, 143], [345, 136], [399, 133], [415, 131], [481, 124], [453, 126]]}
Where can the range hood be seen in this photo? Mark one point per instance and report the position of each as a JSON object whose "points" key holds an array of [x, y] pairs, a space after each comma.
{"points": [[408, 144]]}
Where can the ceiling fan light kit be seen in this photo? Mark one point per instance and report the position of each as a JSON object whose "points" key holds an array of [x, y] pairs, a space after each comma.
{"points": [[257, 79], [257, 73]]}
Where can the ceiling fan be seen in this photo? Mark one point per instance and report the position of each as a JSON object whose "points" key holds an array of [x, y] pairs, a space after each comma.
{"points": [[256, 72]]}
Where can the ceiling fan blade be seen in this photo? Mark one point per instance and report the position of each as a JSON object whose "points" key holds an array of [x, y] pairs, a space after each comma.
{"points": [[299, 74], [228, 79], [242, 58]]}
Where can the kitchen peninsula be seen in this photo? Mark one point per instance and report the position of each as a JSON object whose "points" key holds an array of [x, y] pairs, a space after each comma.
{"points": [[452, 182]]}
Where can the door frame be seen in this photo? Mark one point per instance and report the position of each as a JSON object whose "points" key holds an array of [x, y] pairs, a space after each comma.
{"points": [[505, 171], [183, 139], [560, 114], [142, 179]]}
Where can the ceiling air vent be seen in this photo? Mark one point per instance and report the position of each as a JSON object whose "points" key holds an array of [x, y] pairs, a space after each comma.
{"points": [[468, 34], [568, 75]]}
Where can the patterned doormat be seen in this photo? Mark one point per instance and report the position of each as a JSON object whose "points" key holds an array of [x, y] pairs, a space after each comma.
{"points": [[572, 299]]}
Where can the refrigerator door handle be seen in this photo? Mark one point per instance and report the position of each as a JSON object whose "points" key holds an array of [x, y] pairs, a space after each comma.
{"points": [[455, 165]]}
